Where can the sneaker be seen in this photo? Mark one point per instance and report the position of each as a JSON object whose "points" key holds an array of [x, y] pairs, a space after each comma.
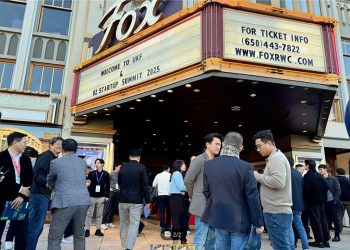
{"points": [[111, 225], [87, 233], [104, 226], [99, 233], [167, 234], [188, 232], [68, 240], [8, 245], [336, 239]]}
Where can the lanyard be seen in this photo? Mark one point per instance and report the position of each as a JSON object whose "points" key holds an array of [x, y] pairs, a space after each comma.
{"points": [[17, 166], [98, 179]]}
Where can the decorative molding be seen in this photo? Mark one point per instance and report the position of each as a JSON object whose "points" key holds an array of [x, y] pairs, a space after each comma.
{"points": [[344, 1]]}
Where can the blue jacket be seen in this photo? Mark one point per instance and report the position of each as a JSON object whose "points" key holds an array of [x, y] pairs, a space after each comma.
{"points": [[177, 185], [232, 197], [297, 190]]}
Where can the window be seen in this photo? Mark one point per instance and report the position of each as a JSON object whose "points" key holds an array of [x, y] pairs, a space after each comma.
{"points": [[6, 71], [11, 14], [346, 53], [55, 17], [12, 50], [264, 1], [2, 43], [287, 4], [46, 79], [38, 47]]}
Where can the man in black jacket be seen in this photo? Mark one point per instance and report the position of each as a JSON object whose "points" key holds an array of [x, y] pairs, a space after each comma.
{"points": [[315, 196], [233, 203], [134, 192], [345, 195], [16, 183], [40, 193], [333, 198]]}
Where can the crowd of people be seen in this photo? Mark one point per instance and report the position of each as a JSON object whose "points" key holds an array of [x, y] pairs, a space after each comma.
{"points": [[232, 204]]}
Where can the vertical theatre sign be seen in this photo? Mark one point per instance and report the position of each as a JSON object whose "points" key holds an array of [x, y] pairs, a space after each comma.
{"points": [[125, 23]]}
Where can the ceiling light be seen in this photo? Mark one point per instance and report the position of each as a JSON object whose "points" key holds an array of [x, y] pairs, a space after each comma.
{"points": [[306, 89], [252, 95], [240, 80], [189, 144], [138, 100], [255, 82], [148, 120], [132, 108], [165, 149], [164, 142], [170, 91], [292, 87], [186, 136], [145, 142], [106, 109], [239, 125], [153, 96], [154, 134], [160, 100], [303, 114], [118, 106], [95, 112], [196, 90], [181, 143], [327, 100], [185, 121], [303, 101], [108, 114], [216, 122], [154, 149], [85, 115], [324, 118], [188, 85], [304, 131], [305, 123], [235, 108]]}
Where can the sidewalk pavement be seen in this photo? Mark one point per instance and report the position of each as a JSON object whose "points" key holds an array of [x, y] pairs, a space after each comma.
{"points": [[151, 235]]}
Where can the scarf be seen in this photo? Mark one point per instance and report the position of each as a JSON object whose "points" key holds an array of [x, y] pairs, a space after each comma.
{"points": [[230, 150]]}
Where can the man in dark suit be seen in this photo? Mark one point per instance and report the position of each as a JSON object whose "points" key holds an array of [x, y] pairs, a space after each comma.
{"points": [[134, 192], [71, 198], [233, 204], [16, 183]]}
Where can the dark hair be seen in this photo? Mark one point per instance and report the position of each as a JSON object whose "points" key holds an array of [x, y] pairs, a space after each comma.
{"points": [[15, 136], [324, 166], [310, 163], [210, 137], [176, 167], [299, 166], [340, 171], [30, 152], [116, 164], [135, 153], [69, 145], [100, 160], [53, 140], [290, 160], [165, 166], [265, 136]]}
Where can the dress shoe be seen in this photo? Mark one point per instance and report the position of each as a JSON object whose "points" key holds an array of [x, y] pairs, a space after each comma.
{"points": [[87, 233], [99, 233], [326, 244], [336, 239], [316, 244]]}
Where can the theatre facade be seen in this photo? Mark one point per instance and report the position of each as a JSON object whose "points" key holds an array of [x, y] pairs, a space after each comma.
{"points": [[163, 76]]}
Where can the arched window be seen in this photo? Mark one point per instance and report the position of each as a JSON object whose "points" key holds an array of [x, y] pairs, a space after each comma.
{"points": [[61, 51], [50, 49], [38, 48], [13, 45], [2, 43]]}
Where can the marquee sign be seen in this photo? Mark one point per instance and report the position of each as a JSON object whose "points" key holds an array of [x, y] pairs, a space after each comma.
{"points": [[123, 24], [164, 53], [274, 41]]}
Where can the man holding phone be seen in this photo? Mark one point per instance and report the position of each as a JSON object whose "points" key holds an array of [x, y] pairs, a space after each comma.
{"points": [[15, 184]]}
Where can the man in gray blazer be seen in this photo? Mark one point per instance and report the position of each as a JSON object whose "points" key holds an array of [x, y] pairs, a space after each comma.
{"points": [[71, 198], [204, 236]]}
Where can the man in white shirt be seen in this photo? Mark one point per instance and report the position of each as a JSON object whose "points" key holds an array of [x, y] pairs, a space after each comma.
{"points": [[162, 181]]}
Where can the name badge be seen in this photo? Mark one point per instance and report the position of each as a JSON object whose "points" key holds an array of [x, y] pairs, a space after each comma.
{"points": [[98, 189], [116, 186]]}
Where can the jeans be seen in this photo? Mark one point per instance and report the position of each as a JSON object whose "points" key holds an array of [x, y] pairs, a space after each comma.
{"points": [[230, 241], [204, 235], [130, 216], [300, 229], [254, 242], [38, 205], [280, 230]]}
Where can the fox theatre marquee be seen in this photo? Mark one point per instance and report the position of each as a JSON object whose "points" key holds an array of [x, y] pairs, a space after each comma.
{"points": [[144, 51]]}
